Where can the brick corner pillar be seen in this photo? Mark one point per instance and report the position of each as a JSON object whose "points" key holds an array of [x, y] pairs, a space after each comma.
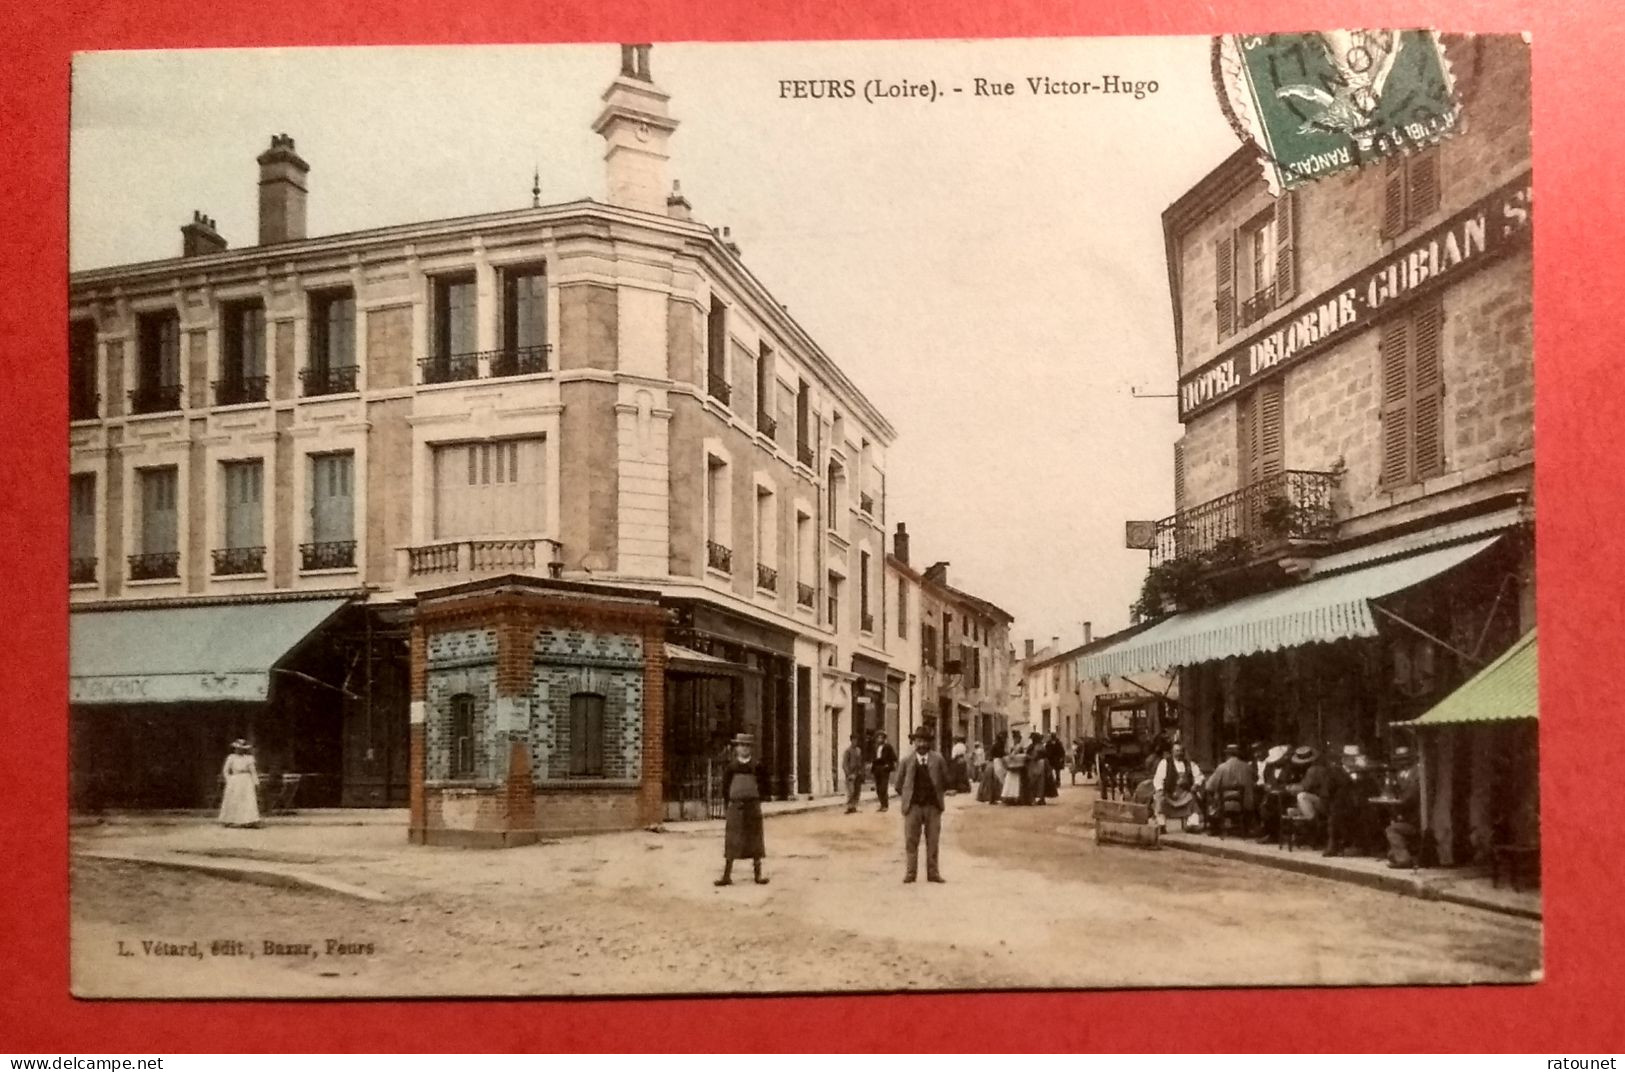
{"points": [[418, 820], [652, 798], [515, 638]]}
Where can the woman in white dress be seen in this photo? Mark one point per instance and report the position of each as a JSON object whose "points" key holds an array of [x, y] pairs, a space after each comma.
{"points": [[240, 806]]}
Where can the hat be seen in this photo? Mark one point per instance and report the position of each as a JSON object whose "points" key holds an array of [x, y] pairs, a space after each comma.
{"points": [[1277, 753], [1351, 750], [239, 743], [1305, 754], [1404, 754], [920, 735], [743, 738], [1260, 746], [1232, 749]]}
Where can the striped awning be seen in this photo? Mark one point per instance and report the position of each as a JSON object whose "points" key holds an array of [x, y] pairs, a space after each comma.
{"points": [[1506, 689], [1315, 611]]}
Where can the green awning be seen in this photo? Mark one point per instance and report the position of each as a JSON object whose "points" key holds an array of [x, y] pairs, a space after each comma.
{"points": [[1504, 690], [186, 654]]}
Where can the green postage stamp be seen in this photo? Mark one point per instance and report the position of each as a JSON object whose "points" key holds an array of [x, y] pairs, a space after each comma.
{"points": [[1319, 103]]}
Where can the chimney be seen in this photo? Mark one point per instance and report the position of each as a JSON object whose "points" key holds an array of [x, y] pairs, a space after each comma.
{"points": [[282, 192], [636, 127], [1088, 632], [729, 244], [677, 206], [1029, 645], [899, 544], [1055, 645], [199, 237], [937, 572]]}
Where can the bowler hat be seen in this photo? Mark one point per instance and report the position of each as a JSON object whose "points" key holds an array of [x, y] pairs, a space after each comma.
{"points": [[919, 735], [1232, 749], [743, 738]]}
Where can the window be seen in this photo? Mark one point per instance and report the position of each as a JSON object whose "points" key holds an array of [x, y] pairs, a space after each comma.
{"points": [[455, 334], [242, 485], [492, 488], [764, 392], [1255, 267], [332, 513], [1410, 190], [82, 528], [82, 400], [1412, 394], [462, 736], [158, 363], [835, 490], [524, 322], [928, 644], [806, 550], [1260, 429], [1179, 476], [804, 451], [867, 619], [718, 517], [242, 354], [332, 364], [767, 544], [159, 555], [716, 352], [834, 601], [587, 734], [902, 609]]}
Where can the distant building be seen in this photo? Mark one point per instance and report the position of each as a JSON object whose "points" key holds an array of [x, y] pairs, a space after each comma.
{"points": [[1058, 698]]}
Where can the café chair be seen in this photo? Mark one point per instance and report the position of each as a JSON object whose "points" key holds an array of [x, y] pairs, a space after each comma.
{"points": [[1297, 829], [1230, 813]]}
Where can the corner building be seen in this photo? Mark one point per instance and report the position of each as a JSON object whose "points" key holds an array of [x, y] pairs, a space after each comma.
{"points": [[1353, 535], [304, 443]]}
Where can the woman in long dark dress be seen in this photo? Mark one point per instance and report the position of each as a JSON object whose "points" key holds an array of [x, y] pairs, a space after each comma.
{"points": [[741, 790]]}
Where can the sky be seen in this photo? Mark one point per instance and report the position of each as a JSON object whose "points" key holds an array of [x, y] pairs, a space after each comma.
{"points": [[988, 269]]}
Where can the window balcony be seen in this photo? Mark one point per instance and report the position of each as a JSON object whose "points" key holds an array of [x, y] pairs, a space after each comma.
{"points": [[804, 455], [767, 426], [329, 554], [518, 360], [484, 364], [805, 595], [83, 402], [156, 398], [155, 566], [1257, 307], [452, 558], [719, 388], [866, 503], [718, 557], [239, 391], [1292, 506], [235, 560], [767, 578], [337, 380], [450, 368], [867, 622], [82, 570]]}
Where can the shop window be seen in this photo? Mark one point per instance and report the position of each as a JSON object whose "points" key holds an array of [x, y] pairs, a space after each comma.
{"points": [[586, 735], [462, 736]]}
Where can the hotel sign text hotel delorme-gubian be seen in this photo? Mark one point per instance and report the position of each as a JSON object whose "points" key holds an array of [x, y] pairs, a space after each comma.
{"points": [[1468, 240]]}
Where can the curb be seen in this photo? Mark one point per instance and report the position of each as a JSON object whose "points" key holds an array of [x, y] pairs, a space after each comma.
{"points": [[244, 871], [1398, 882]]}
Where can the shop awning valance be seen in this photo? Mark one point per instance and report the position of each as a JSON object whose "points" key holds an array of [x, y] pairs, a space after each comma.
{"points": [[1318, 610], [690, 661], [186, 654], [1506, 689]]}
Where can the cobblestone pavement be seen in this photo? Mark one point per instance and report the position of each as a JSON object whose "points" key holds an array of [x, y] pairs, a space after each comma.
{"points": [[1030, 901]]}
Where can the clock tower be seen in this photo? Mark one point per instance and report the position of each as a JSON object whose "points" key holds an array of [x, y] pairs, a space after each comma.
{"points": [[636, 127]]}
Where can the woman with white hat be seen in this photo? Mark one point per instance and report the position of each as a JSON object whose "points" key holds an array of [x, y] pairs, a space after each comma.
{"points": [[743, 795], [240, 806]]}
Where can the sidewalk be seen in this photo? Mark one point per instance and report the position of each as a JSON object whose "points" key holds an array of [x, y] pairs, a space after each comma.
{"points": [[1466, 886]]}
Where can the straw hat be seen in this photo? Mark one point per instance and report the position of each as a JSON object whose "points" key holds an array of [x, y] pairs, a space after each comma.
{"points": [[239, 743], [1305, 754], [743, 738]]}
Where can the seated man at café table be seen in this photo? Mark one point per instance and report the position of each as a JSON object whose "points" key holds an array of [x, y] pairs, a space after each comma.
{"points": [[1176, 783], [1349, 786], [1271, 791], [1234, 773], [1408, 815], [1309, 785]]}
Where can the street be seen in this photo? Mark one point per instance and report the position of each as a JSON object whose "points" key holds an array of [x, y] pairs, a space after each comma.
{"points": [[1030, 901]]}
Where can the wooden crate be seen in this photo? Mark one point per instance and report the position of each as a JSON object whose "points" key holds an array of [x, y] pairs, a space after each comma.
{"points": [[1119, 822]]}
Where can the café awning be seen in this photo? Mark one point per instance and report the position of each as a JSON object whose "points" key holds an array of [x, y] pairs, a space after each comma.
{"points": [[1319, 610], [194, 654], [1506, 689], [689, 661]]}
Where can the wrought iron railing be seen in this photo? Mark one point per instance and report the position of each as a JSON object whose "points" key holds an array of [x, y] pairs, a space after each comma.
{"points": [[805, 594], [767, 426], [229, 560], [1291, 505], [337, 380], [719, 388], [82, 570], [1256, 307], [804, 454], [240, 390], [450, 368], [718, 557], [518, 360], [328, 554], [156, 398], [83, 402], [155, 565], [767, 577]]}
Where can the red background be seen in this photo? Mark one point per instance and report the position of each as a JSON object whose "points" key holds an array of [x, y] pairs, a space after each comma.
{"points": [[1579, 99]]}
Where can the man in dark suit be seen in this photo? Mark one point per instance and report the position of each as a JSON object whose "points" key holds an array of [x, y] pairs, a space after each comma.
{"points": [[885, 762], [922, 786]]}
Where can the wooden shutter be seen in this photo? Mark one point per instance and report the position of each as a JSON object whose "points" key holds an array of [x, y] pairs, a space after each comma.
{"points": [[1421, 186], [1427, 390], [82, 515], [1270, 435], [1250, 447], [1393, 354], [1393, 197], [586, 734], [1225, 271], [332, 498], [1286, 265], [1179, 476]]}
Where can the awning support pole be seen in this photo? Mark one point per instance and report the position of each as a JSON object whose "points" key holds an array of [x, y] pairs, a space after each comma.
{"points": [[1143, 688], [1489, 619], [1386, 613], [316, 681]]}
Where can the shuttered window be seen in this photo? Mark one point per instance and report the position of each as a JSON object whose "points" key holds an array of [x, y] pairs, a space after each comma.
{"points": [[158, 517], [82, 515], [1409, 352], [586, 734], [489, 489], [332, 498], [243, 487], [1260, 427], [1225, 273], [1179, 476], [1255, 267], [1410, 190], [1286, 260]]}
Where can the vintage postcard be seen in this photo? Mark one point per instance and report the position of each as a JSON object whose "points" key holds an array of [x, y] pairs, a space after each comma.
{"points": [[848, 516]]}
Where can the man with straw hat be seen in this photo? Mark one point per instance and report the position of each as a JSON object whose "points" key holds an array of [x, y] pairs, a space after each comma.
{"points": [[741, 791]]}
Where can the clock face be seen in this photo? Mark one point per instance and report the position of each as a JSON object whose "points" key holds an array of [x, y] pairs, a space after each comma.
{"points": [[642, 131]]}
